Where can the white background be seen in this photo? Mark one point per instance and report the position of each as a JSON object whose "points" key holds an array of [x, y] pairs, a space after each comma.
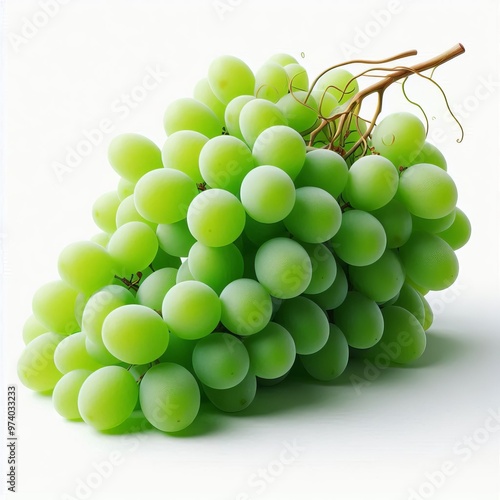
{"points": [[381, 442]]}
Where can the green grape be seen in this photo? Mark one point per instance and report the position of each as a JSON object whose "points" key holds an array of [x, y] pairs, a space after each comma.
{"points": [[203, 92], [360, 320], [458, 234], [163, 259], [399, 137], [235, 398], [258, 233], [300, 110], [154, 288], [429, 315], [135, 334], [179, 351], [271, 82], [372, 183], [327, 104], [125, 188], [107, 397], [80, 303], [333, 296], [396, 221], [430, 154], [220, 360], [427, 191], [102, 239], [54, 307], [324, 169], [331, 360], [230, 77], [340, 83], [410, 300], [282, 147], [175, 239], [32, 329], [232, 114], [297, 76], [100, 305], [306, 322], [127, 212], [191, 310], [216, 217], [267, 194], [36, 368], [71, 354], [170, 397], [283, 267], [420, 289], [104, 211], [258, 115], [163, 196], [246, 307], [433, 225], [361, 239], [215, 266], [316, 216], [86, 266], [65, 394], [133, 246], [324, 268], [184, 273], [132, 155], [429, 261], [224, 162], [99, 352], [283, 59], [380, 281]]}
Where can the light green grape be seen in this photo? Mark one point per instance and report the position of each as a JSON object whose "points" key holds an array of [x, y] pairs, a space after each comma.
{"points": [[429, 261], [271, 81], [71, 354], [65, 394], [458, 234], [102, 239], [125, 188], [99, 352], [283, 267], [300, 110], [132, 155], [232, 114], [306, 322], [297, 76], [184, 273], [360, 320], [127, 212], [430, 154], [283, 59], [175, 239], [258, 232], [179, 351], [410, 300], [331, 360], [230, 77], [433, 225], [135, 334], [316, 216], [107, 397], [104, 211], [36, 368], [340, 83], [327, 104], [361, 239], [32, 329], [203, 92], [154, 288], [246, 307], [333, 296], [191, 310], [396, 221], [272, 351], [399, 137], [216, 217], [324, 268], [80, 303]]}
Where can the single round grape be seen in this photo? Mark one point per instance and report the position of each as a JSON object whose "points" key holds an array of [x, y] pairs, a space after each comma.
{"points": [[300, 110], [32, 329], [71, 354], [179, 351], [458, 233], [65, 394], [283, 59], [184, 273], [104, 211], [297, 76], [127, 212], [430, 154], [333, 296], [154, 288], [433, 225], [99, 352], [175, 239], [232, 114], [230, 77], [340, 83], [271, 81], [203, 92], [396, 221], [324, 268], [410, 300]]}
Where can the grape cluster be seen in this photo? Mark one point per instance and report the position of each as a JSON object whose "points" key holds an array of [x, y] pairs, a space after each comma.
{"points": [[249, 243]]}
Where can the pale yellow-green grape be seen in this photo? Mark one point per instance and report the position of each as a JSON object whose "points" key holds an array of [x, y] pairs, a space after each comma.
{"points": [[99, 352], [191, 310], [220, 360], [65, 394], [86, 266], [107, 397], [163, 259], [458, 234], [283, 59], [331, 360], [380, 281], [189, 114], [361, 239], [179, 351], [204, 93], [333, 296], [360, 320], [372, 183], [127, 212], [281, 146], [271, 82], [132, 155], [53, 306], [429, 314], [429, 261], [283, 267], [215, 266], [133, 247], [300, 110], [306, 322], [430, 154], [232, 114], [396, 221], [340, 83], [410, 300], [175, 239], [102, 239], [181, 151], [32, 329], [324, 268], [135, 334], [272, 351], [224, 162], [258, 115], [427, 191], [399, 137], [236, 398], [71, 354], [316, 216], [297, 76], [216, 218], [104, 211], [246, 307], [258, 233], [36, 368], [125, 188], [230, 77], [433, 225], [324, 169], [184, 273], [153, 289]]}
